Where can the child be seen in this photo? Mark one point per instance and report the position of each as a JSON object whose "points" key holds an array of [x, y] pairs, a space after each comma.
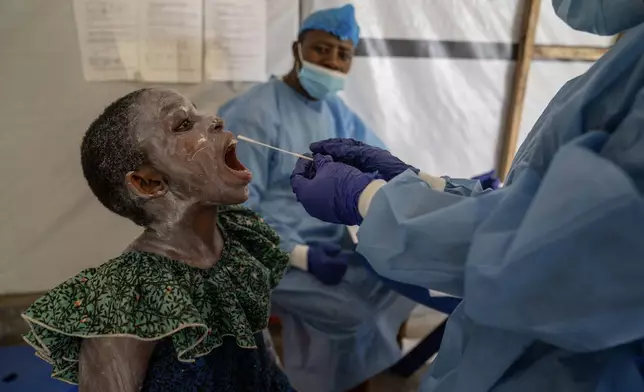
{"points": [[183, 308]]}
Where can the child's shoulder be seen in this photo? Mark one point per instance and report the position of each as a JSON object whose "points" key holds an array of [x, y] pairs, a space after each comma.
{"points": [[128, 268], [83, 303]]}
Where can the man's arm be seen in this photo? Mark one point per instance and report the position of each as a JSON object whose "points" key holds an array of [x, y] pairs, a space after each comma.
{"points": [[259, 160], [117, 364]]}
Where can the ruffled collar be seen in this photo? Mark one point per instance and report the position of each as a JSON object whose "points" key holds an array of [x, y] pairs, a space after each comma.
{"points": [[146, 296]]}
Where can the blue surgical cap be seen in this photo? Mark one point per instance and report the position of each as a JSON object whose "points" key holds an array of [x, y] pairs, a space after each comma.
{"points": [[340, 22]]}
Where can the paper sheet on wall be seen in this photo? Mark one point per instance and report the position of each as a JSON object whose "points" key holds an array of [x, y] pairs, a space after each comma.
{"points": [[235, 40], [107, 35], [171, 40]]}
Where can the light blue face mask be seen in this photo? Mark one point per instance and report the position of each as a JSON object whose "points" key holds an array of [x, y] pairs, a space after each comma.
{"points": [[318, 81]]}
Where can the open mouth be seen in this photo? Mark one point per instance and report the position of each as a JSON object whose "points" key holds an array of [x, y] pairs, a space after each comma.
{"points": [[230, 159]]}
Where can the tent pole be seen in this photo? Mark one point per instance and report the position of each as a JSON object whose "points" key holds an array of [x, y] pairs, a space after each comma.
{"points": [[522, 68], [571, 53]]}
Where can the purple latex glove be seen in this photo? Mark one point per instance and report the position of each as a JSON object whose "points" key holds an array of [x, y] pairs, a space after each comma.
{"points": [[362, 156], [330, 190], [488, 180], [328, 262]]}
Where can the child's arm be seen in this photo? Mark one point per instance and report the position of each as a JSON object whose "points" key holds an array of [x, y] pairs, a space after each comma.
{"points": [[116, 364]]}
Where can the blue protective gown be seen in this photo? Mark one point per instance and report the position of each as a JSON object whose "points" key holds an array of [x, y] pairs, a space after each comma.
{"points": [[550, 267], [335, 337], [602, 17]]}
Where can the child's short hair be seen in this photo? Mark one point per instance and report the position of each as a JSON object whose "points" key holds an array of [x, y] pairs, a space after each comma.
{"points": [[109, 151]]}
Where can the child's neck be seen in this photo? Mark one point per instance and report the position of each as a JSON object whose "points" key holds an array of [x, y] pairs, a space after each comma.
{"points": [[195, 239]]}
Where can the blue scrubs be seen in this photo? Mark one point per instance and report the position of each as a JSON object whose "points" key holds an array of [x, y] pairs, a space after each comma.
{"points": [[335, 337], [550, 267]]}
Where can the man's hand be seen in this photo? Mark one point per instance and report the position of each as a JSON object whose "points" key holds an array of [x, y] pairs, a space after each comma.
{"points": [[328, 262], [330, 190]]}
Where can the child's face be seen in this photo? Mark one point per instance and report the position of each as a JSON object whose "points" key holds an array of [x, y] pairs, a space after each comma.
{"points": [[191, 149]]}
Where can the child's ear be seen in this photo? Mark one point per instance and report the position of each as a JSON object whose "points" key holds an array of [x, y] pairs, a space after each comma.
{"points": [[146, 183], [295, 49]]}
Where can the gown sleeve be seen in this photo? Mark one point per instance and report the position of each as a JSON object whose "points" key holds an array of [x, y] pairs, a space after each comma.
{"points": [[421, 236]]}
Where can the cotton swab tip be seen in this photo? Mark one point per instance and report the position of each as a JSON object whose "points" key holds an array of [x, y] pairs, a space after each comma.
{"points": [[247, 139]]}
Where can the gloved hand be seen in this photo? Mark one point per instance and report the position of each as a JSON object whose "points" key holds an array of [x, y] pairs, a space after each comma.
{"points": [[362, 156], [328, 262], [488, 180], [330, 190]]}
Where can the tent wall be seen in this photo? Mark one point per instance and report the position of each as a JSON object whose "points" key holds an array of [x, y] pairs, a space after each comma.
{"points": [[441, 110]]}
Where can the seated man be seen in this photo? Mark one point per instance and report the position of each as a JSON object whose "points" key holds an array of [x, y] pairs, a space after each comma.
{"points": [[340, 322]]}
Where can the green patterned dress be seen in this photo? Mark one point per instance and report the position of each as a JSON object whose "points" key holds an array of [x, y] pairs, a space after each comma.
{"points": [[207, 322]]}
